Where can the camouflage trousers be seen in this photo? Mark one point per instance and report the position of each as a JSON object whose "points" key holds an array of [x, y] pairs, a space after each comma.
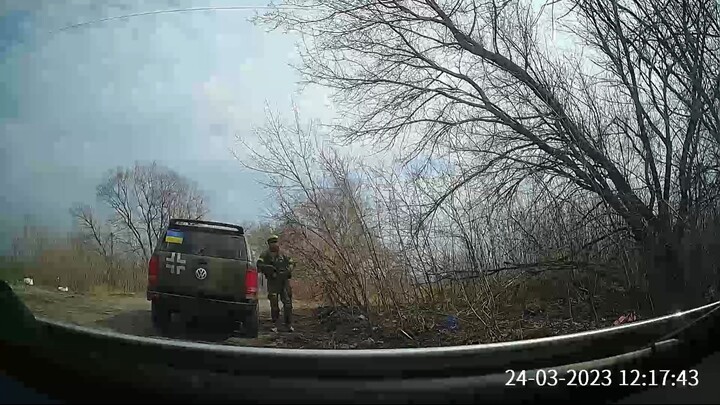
{"points": [[283, 293]]}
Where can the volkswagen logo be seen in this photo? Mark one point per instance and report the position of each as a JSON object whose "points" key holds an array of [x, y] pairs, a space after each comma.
{"points": [[201, 273]]}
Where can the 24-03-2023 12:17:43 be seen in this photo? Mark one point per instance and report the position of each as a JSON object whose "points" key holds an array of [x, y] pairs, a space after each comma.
{"points": [[603, 378]]}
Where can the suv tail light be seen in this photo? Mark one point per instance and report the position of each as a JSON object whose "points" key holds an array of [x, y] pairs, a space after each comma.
{"points": [[251, 282], [153, 268]]}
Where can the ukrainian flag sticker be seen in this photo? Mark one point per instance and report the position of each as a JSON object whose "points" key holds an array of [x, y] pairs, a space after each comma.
{"points": [[173, 236]]}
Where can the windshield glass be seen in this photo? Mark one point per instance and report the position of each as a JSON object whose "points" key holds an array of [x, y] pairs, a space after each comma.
{"points": [[205, 244], [434, 172]]}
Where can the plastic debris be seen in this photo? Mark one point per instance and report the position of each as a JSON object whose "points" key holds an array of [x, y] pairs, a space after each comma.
{"points": [[451, 323], [626, 318]]}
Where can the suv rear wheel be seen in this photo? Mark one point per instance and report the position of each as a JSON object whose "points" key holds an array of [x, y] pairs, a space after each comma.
{"points": [[251, 323], [160, 315]]}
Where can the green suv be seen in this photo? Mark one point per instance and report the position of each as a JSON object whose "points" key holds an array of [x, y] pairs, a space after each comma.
{"points": [[203, 269]]}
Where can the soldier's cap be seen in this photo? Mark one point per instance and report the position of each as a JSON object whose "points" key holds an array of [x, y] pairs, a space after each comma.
{"points": [[272, 239]]}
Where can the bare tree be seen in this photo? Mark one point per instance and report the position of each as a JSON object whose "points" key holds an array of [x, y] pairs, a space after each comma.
{"points": [[102, 240], [143, 199], [322, 210], [476, 81], [31, 242], [257, 234]]}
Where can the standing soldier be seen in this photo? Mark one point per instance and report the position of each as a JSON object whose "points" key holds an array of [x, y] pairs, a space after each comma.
{"points": [[277, 269]]}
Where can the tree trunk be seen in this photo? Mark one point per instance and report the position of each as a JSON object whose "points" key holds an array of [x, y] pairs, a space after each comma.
{"points": [[665, 271]]}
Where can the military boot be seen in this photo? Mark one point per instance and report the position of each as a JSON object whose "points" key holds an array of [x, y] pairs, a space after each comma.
{"points": [[275, 316], [287, 313]]}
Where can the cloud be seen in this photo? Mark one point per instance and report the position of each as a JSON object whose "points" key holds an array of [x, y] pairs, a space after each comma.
{"points": [[174, 88], [14, 28]]}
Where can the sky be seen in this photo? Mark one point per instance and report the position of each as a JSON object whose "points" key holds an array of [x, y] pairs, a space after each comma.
{"points": [[175, 88]]}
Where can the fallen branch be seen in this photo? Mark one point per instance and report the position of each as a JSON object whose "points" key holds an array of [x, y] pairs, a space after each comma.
{"points": [[406, 334]]}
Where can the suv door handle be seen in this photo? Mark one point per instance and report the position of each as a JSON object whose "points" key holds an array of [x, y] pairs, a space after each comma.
{"points": [[203, 262]]}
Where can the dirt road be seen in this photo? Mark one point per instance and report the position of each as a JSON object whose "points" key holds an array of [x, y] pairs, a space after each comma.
{"points": [[316, 327], [130, 314]]}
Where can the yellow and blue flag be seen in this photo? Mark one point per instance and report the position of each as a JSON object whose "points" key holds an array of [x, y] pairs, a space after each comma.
{"points": [[173, 236]]}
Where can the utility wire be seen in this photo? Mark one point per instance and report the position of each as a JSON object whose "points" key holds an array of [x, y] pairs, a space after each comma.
{"points": [[178, 10]]}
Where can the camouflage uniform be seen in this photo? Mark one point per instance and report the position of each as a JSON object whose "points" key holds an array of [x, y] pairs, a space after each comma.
{"points": [[277, 268]]}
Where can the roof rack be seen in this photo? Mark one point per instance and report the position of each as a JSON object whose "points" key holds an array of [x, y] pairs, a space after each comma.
{"points": [[202, 224]]}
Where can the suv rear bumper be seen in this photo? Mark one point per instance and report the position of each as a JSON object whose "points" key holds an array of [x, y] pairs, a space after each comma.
{"points": [[204, 307]]}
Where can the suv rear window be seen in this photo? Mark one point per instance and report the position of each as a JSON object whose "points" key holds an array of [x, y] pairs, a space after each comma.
{"points": [[200, 243]]}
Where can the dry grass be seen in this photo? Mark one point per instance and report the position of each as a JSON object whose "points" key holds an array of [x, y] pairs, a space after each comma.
{"points": [[81, 271], [81, 309], [530, 308], [305, 290]]}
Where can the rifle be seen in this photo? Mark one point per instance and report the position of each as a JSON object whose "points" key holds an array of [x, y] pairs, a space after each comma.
{"points": [[279, 267]]}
